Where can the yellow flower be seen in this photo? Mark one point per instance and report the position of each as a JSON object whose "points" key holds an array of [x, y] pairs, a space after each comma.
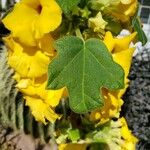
{"points": [[37, 88], [28, 61], [40, 100], [123, 43], [32, 19], [30, 64], [115, 45], [40, 110], [122, 54]]}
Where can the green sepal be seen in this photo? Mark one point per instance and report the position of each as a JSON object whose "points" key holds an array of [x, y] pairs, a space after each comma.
{"points": [[138, 28]]}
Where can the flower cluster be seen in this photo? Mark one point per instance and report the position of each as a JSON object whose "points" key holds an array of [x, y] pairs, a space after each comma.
{"points": [[35, 25], [122, 54], [116, 134], [30, 51]]}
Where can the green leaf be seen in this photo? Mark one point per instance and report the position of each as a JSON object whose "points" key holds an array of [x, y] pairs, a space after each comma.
{"points": [[84, 68], [137, 27], [67, 5]]}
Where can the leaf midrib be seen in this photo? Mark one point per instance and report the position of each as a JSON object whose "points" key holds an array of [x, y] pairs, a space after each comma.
{"points": [[100, 63], [83, 75]]}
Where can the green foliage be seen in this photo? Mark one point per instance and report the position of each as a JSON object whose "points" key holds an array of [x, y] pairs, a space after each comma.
{"points": [[67, 5], [138, 27], [84, 68]]}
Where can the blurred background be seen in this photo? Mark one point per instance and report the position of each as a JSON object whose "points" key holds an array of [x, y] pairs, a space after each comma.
{"points": [[144, 13]]}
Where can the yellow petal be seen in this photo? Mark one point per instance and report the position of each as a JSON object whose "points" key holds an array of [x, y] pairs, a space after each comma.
{"points": [[38, 65], [16, 76], [125, 132], [123, 43], [26, 61], [37, 88], [23, 84], [124, 58], [46, 44], [46, 2], [49, 19], [40, 110], [19, 22], [54, 96], [109, 41], [29, 66]]}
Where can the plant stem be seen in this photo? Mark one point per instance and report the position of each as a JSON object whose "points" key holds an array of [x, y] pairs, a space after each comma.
{"points": [[79, 34]]}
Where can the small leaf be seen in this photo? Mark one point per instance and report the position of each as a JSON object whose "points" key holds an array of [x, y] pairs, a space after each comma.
{"points": [[73, 135], [137, 27], [67, 5], [84, 68]]}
